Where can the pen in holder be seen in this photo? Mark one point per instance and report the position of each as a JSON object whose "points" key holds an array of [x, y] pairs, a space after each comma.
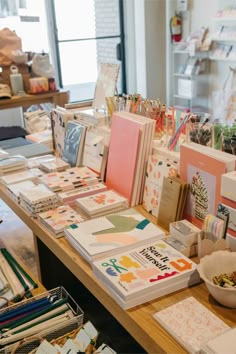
{"points": [[211, 238]]}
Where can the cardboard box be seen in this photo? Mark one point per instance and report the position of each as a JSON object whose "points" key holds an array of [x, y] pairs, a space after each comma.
{"points": [[185, 232], [228, 185]]}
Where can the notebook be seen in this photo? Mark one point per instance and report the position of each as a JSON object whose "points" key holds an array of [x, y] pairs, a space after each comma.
{"points": [[74, 143], [190, 323], [108, 234]]}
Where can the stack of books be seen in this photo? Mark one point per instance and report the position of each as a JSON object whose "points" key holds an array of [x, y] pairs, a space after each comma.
{"points": [[10, 164], [100, 237], [15, 282], [59, 218], [43, 137], [34, 162], [38, 199], [102, 203], [130, 145], [54, 165], [18, 177], [75, 177], [144, 273], [70, 196], [14, 189]]}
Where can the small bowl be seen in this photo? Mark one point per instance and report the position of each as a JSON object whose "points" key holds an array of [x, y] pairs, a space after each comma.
{"points": [[217, 263]]}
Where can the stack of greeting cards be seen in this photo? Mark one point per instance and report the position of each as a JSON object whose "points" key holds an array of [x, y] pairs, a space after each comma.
{"points": [[105, 236], [81, 192], [38, 199], [75, 177], [145, 272], [10, 164], [102, 203], [59, 218]]}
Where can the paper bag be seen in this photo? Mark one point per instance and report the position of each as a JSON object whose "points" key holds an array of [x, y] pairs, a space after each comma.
{"points": [[9, 41]]}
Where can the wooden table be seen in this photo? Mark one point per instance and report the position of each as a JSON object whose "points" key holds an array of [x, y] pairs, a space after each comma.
{"points": [[137, 321], [59, 98]]}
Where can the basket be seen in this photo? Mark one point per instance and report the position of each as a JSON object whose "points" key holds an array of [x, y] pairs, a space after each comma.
{"points": [[28, 344]]}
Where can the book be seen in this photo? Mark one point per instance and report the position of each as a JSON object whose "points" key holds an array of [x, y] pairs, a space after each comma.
{"points": [[59, 218], [157, 169], [202, 171], [191, 323], [59, 118], [224, 343], [54, 165], [82, 192], [74, 143], [145, 272], [107, 235], [18, 177], [102, 203], [43, 137], [94, 151], [15, 188]]}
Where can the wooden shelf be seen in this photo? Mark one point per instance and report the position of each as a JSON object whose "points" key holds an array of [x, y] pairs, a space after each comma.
{"points": [[137, 321]]}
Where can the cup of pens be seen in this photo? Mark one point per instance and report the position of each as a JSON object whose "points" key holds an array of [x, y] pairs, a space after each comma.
{"points": [[200, 129]]}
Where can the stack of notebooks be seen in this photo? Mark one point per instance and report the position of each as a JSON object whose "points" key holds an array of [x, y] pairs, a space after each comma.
{"points": [[18, 177], [14, 189], [10, 164], [130, 145], [54, 165], [75, 177], [74, 143], [34, 162], [59, 218], [43, 137], [193, 326], [15, 282], [38, 199], [81, 192], [104, 236], [102, 203], [145, 272], [44, 316]]}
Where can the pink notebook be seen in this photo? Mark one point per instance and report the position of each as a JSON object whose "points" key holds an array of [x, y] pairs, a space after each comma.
{"points": [[123, 153]]}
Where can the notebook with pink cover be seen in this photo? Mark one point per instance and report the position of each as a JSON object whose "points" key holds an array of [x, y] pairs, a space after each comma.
{"points": [[123, 154], [191, 323], [203, 173]]}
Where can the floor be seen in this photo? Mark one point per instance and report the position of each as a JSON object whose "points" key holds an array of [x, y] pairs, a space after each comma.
{"points": [[17, 237]]}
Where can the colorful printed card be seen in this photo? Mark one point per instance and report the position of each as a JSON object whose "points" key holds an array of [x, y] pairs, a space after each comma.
{"points": [[157, 169], [191, 323]]}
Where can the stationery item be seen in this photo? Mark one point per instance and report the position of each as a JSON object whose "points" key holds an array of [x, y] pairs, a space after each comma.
{"points": [[55, 165], [12, 163], [34, 162], [157, 169], [82, 192], [43, 137], [188, 251], [59, 118], [130, 145], [107, 235], [173, 196], [74, 143], [185, 232], [15, 188], [228, 185], [18, 177], [145, 272], [102, 203], [57, 219], [202, 169], [224, 343], [191, 323]]}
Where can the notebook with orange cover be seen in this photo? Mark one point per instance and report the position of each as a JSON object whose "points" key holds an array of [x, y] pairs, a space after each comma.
{"points": [[123, 154], [203, 173]]}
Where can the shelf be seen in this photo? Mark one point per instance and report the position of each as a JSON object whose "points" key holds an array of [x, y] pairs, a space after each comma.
{"points": [[222, 59]]}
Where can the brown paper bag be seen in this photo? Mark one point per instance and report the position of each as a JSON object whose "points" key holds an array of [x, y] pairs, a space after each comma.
{"points": [[9, 41]]}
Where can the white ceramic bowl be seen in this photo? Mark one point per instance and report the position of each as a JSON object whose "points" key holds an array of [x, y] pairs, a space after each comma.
{"points": [[217, 263]]}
